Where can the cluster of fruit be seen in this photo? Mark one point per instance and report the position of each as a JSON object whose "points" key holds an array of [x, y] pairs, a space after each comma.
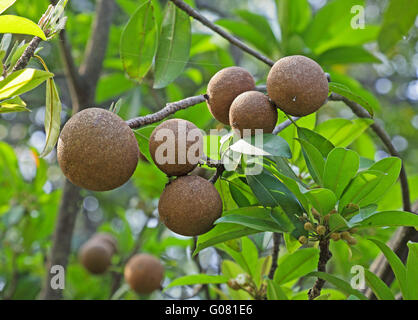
{"points": [[143, 272]]}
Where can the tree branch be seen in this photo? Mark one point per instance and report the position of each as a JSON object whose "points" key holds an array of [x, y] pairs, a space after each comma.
{"points": [[324, 256], [27, 54], [275, 255], [235, 41]]}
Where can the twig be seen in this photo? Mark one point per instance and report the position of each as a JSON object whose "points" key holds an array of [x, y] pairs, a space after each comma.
{"points": [[324, 256], [280, 127], [168, 110], [193, 13], [275, 255], [27, 54]]}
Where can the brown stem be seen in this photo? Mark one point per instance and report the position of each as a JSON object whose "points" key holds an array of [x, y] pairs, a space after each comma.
{"points": [[168, 110], [324, 256], [27, 54], [193, 13]]}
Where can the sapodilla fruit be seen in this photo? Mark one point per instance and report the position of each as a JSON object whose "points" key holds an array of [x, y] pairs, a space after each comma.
{"points": [[107, 239], [95, 256], [144, 273], [252, 110], [176, 146], [97, 150], [190, 205], [297, 85], [224, 87]]}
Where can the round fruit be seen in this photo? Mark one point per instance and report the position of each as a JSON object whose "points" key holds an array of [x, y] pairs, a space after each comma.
{"points": [[297, 85], [97, 150], [224, 87], [252, 110], [144, 273], [176, 146], [95, 256], [189, 205], [106, 239]]}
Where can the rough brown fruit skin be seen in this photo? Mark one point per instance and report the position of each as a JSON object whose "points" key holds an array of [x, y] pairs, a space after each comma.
{"points": [[181, 129], [190, 205], [297, 85], [97, 150], [252, 110], [144, 273], [224, 87], [95, 256]]}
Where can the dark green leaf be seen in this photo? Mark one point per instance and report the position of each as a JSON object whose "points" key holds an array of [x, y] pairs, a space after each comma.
{"points": [[314, 161], [346, 92], [323, 200], [322, 144]]}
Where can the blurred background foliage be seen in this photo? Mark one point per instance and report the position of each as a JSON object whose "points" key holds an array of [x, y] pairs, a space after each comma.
{"points": [[31, 187]]}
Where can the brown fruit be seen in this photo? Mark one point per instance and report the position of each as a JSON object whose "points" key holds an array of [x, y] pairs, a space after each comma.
{"points": [[97, 150], [303, 240], [189, 205], [176, 146], [308, 226], [297, 85], [321, 230], [252, 110], [144, 273], [107, 239], [224, 87], [95, 256], [335, 236]]}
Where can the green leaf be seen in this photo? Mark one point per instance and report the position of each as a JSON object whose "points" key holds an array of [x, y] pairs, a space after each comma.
{"points": [[259, 22], [391, 167], [15, 104], [360, 187], [323, 200], [223, 232], [139, 39], [342, 132], [22, 81], [253, 217], [20, 25], [296, 265], [379, 288], [411, 272], [314, 161], [197, 279], [337, 222], [275, 292], [347, 55], [142, 136], [5, 4], [52, 117], [396, 264], [272, 144], [340, 284], [340, 167], [174, 46], [346, 92], [318, 141], [393, 28], [390, 219]]}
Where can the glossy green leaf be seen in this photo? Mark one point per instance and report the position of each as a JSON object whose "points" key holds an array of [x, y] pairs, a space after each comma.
{"points": [[323, 200], [22, 81], [411, 272], [20, 25], [336, 222], [360, 187], [342, 132], [322, 144], [296, 265], [5, 4], [271, 144], [139, 40], [15, 104], [174, 46], [379, 288], [197, 279], [53, 109], [340, 167], [275, 292], [390, 219], [346, 92], [396, 264], [391, 168], [394, 28], [314, 161], [340, 284]]}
